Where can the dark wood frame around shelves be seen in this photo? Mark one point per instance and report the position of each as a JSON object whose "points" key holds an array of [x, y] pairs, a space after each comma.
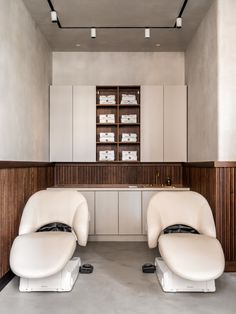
{"points": [[117, 126]]}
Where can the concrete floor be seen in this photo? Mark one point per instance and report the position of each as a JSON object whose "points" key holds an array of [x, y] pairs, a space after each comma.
{"points": [[118, 286]]}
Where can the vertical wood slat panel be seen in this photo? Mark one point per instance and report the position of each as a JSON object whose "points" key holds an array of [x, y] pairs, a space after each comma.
{"points": [[117, 173], [218, 185], [16, 186]]}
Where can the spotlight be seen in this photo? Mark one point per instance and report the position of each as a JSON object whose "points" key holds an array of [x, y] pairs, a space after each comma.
{"points": [[53, 16], [147, 33], [179, 22], [93, 32]]}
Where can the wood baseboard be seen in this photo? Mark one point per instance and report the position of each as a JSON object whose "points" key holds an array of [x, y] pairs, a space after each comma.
{"points": [[6, 279], [230, 266]]}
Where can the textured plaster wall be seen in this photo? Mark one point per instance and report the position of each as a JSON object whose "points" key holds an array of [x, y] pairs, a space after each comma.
{"points": [[25, 76], [118, 68]]}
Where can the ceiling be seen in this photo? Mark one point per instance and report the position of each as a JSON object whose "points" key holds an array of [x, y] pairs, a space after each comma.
{"points": [[100, 13]]}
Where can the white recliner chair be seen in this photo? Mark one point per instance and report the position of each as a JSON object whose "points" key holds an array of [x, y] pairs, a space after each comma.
{"points": [[44, 260], [189, 262]]}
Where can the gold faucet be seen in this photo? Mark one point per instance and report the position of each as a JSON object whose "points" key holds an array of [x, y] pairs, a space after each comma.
{"points": [[157, 178]]}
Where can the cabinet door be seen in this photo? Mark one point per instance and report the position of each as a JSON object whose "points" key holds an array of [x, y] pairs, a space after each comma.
{"points": [[146, 196], [130, 212], [151, 123], [175, 123], [61, 123], [106, 219], [90, 200], [84, 123]]}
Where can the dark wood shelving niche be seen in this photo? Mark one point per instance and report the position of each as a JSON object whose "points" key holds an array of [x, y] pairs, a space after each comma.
{"points": [[111, 100]]}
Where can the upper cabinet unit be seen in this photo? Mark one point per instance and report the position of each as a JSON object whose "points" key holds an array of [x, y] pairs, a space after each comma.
{"points": [[84, 124], [152, 123], [164, 124], [175, 123], [72, 123], [118, 123], [61, 109]]}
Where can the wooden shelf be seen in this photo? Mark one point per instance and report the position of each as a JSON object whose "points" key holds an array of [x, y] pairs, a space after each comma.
{"points": [[106, 124], [129, 124], [107, 105], [118, 128], [129, 143], [120, 124], [129, 105], [107, 143]]}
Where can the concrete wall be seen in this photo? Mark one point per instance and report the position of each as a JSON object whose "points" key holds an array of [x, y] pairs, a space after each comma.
{"points": [[201, 64], [25, 74], [227, 79], [118, 68]]}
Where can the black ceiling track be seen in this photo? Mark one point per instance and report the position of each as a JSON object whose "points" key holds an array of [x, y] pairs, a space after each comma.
{"points": [[52, 8]]}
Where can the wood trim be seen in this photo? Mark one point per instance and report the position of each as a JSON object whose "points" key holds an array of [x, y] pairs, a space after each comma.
{"points": [[23, 164], [211, 164], [230, 266], [118, 164], [225, 164], [6, 279], [205, 164]]}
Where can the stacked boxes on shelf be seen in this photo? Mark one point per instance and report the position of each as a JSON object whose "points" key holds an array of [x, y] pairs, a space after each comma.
{"points": [[129, 137], [118, 123], [129, 118]]}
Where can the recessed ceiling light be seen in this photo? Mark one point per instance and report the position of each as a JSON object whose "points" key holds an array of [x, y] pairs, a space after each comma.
{"points": [[77, 45], [158, 45]]}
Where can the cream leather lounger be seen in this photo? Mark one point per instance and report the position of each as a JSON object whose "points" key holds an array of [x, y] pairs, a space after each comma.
{"points": [[44, 260], [189, 262]]}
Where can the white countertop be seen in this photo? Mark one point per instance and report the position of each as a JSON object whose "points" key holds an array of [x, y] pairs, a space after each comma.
{"points": [[119, 187]]}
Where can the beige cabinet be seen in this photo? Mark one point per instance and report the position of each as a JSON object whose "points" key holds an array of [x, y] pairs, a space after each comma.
{"points": [[146, 196], [84, 124], [175, 123], [130, 213], [106, 215], [61, 123], [90, 197], [151, 123]]}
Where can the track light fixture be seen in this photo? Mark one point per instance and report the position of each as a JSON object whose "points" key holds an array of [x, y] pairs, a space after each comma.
{"points": [[179, 22], [93, 32], [147, 33], [54, 16]]}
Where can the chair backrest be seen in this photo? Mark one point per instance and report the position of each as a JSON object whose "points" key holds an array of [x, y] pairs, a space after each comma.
{"points": [[43, 207], [180, 207]]}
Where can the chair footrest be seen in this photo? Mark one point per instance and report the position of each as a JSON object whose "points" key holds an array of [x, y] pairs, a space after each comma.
{"points": [[170, 282], [61, 282]]}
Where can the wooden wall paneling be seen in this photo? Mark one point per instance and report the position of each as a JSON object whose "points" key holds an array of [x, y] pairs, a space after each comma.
{"points": [[217, 182], [16, 186], [117, 173]]}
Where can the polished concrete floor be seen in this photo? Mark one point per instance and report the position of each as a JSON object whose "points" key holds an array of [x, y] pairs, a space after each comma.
{"points": [[118, 286]]}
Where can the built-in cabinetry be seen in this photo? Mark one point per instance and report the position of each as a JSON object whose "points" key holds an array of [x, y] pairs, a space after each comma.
{"points": [[164, 123], [160, 128], [118, 214], [106, 210], [72, 123], [61, 113], [84, 113], [118, 123]]}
